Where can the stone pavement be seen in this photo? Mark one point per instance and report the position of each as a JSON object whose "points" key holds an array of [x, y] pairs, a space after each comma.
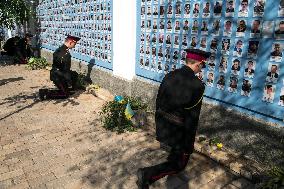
{"points": [[61, 144]]}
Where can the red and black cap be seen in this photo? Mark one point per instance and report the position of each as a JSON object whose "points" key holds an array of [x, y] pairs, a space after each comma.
{"points": [[73, 38], [199, 55]]}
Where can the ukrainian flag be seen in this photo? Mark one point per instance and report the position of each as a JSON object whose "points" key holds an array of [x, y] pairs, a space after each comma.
{"points": [[128, 111]]}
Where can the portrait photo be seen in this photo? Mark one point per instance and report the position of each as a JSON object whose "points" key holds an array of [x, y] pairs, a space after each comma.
{"points": [[258, 8], [276, 52], [253, 49], [195, 27], [233, 84], [221, 82], [241, 28], [246, 87], [236, 66], [226, 46], [227, 28], [187, 9], [273, 73], [216, 27], [281, 9], [206, 10], [210, 79], [230, 8], [255, 28], [243, 8], [196, 10], [238, 49], [217, 8], [279, 29], [223, 66], [249, 69], [268, 93]]}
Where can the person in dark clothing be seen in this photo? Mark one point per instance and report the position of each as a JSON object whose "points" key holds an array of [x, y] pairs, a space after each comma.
{"points": [[10, 45], [24, 51], [60, 74], [178, 107]]}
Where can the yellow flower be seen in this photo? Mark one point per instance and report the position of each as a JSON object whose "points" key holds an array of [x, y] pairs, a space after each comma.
{"points": [[219, 145]]}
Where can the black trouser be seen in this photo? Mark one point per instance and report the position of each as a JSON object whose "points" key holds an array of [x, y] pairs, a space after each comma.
{"points": [[62, 81], [176, 162]]}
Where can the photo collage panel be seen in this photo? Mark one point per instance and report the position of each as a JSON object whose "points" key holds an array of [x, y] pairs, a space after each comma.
{"points": [[90, 20]]}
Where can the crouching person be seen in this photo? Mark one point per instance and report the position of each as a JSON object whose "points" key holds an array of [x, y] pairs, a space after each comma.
{"points": [[61, 74]]}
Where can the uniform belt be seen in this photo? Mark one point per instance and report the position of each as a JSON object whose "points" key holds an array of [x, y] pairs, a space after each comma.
{"points": [[171, 117]]}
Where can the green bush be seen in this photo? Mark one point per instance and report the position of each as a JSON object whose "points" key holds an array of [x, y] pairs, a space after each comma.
{"points": [[113, 114], [37, 63]]}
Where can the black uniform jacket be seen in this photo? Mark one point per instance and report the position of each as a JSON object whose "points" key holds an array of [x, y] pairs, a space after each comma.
{"points": [[61, 64], [175, 125]]}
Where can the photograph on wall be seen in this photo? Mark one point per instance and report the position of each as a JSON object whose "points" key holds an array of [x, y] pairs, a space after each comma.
{"points": [[268, 93], [169, 26], [221, 82], [241, 28], [216, 27], [176, 41], [162, 25], [276, 52], [210, 79], [194, 28], [238, 49], [223, 66], [160, 52], [187, 9], [170, 11], [155, 11], [185, 26], [249, 69], [281, 98], [252, 49], [212, 62], [281, 9], [193, 42], [155, 26], [141, 62], [273, 73], [267, 31], [203, 43], [160, 67], [204, 28], [279, 29], [226, 46], [162, 11], [178, 9], [230, 8], [177, 26], [200, 75], [236, 66], [206, 10], [217, 8], [196, 10], [255, 28], [184, 41], [227, 28], [214, 45], [161, 38], [243, 8], [233, 84], [258, 8], [168, 40], [246, 87], [153, 65]]}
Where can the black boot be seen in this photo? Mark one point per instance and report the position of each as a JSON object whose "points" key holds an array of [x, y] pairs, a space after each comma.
{"points": [[43, 94], [142, 183]]}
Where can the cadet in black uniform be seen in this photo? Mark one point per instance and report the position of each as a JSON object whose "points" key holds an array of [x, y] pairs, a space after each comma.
{"points": [[178, 107], [61, 74]]}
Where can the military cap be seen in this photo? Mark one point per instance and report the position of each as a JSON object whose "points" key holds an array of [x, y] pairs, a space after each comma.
{"points": [[198, 55], [73, 38]]}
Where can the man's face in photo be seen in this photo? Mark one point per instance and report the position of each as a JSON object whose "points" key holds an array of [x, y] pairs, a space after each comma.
{"points": [[273, 69], [255, 24]]}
